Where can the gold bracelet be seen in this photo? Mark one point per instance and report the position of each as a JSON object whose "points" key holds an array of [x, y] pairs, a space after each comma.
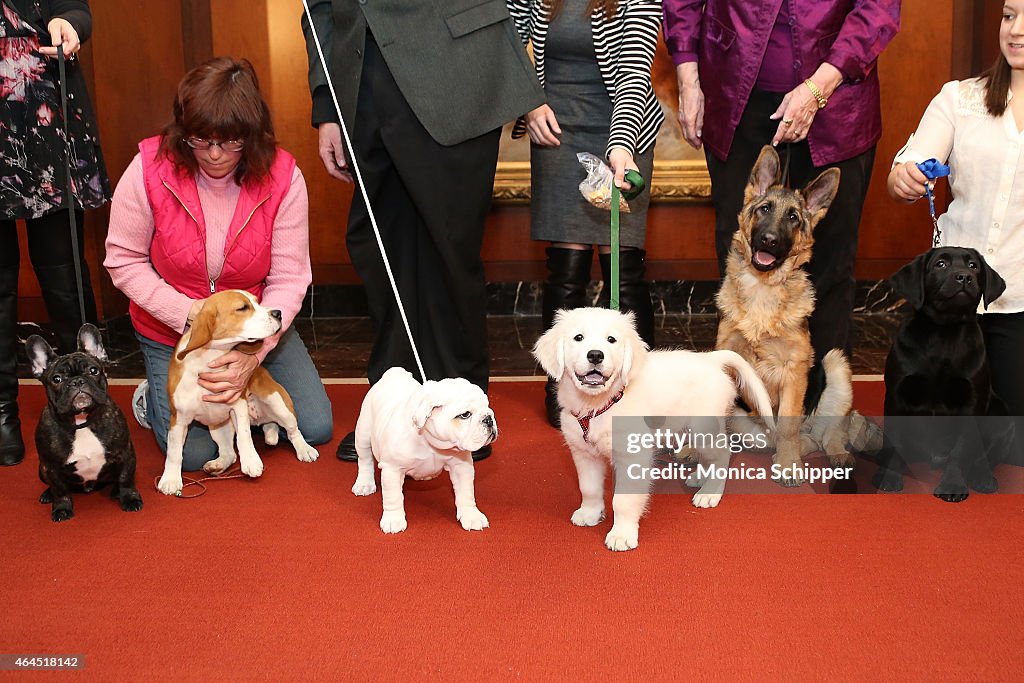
{"points": [[822, 100]]}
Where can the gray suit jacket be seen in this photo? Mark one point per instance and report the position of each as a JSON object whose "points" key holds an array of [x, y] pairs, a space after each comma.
{"points": [[459, 63]]}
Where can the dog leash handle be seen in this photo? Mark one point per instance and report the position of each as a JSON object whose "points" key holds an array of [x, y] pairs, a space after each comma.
{"points": [[637, 181], [932, 170]]}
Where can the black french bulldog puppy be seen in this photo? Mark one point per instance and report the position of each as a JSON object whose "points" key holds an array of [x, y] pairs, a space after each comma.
{"points": [[82, 436], [937, 369]]}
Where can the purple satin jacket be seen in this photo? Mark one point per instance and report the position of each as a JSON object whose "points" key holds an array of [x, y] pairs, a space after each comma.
{"points": [[728, 39]]}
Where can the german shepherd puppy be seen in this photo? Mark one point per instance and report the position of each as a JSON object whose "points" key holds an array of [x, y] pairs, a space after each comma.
{"points": [[765, 301]]}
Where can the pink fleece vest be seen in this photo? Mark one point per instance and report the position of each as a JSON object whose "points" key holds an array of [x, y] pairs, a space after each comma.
{"points": [[178, 251]]}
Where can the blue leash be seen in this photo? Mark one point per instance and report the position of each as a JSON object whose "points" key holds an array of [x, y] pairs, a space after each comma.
{"points": [[932, 169]]}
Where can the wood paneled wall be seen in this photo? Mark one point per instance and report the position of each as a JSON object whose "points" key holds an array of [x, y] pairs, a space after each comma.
{"points": [[140, 50]]}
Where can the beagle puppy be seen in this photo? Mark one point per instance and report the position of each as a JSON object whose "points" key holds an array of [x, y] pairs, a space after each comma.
{"points": [[231, 319]]}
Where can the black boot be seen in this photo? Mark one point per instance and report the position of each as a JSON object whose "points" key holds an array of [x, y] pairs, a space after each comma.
{"points": [[634, 289], [60, 292], [565, 288], [12, 447]]}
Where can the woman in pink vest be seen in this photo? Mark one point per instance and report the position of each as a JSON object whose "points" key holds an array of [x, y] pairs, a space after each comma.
{"points": [[213, 204]]}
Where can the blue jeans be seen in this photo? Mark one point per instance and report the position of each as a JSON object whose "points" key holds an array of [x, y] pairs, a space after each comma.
{"points": [[290, 366]]}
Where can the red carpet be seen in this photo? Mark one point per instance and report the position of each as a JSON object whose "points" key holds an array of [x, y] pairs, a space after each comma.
{"points": [[288, 577]]}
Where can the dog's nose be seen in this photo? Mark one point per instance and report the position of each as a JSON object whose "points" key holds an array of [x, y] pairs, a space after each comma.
{"points": [[595, 356], [78, 382], [964, 278], [488, 421], [769, 239], [276, 315]]}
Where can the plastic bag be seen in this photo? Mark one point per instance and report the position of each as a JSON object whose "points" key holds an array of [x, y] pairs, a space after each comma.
{"points": [[596, 188]]}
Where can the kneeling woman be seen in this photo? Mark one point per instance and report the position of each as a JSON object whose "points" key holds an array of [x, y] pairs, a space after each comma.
{"points": [[208, 205]]}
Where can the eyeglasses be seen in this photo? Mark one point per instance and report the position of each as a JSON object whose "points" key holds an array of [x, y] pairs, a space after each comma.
{"points": [[226, 145]]}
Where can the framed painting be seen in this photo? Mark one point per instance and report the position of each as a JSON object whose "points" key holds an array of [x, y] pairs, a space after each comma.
{"points": [[680, 172]]}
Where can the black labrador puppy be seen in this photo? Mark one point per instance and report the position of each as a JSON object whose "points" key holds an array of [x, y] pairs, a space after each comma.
{"points": [[937, 380]]}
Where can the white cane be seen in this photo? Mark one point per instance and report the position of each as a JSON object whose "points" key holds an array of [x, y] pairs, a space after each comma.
{"points": [[362, 189]]}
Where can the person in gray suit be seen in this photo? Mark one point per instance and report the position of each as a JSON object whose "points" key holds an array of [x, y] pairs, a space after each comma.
{"points": [[424, 88]]}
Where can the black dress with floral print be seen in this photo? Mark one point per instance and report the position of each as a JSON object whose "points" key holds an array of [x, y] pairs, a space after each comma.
{"points": [[32, 143]]}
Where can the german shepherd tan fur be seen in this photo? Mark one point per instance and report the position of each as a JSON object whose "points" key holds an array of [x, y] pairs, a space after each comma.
{"points": [[765, 302]]}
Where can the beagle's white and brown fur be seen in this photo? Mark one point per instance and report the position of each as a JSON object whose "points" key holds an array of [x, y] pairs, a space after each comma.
{"points": [[228, 320]]}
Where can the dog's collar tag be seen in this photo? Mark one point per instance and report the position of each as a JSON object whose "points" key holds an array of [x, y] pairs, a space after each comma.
{"points": [[585, 420]]}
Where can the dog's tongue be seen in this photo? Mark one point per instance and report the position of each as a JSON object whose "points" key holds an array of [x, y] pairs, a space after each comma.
{"points": [[593, 377], [764, 258]]}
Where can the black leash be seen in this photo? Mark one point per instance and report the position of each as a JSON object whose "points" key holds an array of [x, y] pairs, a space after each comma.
{"points": [[69, 197]]}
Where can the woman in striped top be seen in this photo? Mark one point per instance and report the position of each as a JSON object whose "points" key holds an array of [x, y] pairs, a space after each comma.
{"points": [[593, 58]]}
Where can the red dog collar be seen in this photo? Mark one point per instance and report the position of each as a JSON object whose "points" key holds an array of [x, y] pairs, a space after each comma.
{"points": [[585, 420]]}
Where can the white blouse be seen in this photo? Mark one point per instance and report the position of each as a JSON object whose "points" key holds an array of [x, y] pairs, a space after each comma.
{"points": [[984, 155]]}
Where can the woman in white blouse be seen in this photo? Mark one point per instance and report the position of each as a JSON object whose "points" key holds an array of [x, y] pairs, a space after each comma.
{"points": [[977, 127]]}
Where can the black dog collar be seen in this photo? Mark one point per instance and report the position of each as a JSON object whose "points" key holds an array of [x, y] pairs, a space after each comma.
{"points": [[85, 423], [585, 420]]}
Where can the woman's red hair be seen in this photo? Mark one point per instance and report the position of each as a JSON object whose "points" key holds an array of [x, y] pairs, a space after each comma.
{"points": [[220, 100]]}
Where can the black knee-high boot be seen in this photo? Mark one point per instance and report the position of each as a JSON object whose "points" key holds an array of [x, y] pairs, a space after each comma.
{"points": [[60, 292], [634, 289], [565, 288], [12, 447]]}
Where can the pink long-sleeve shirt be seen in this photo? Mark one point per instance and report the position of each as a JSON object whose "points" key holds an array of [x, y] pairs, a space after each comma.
{"points": [[131, 232]]}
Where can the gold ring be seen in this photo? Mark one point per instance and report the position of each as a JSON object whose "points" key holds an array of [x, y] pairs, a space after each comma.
{"points": [[787, 122]]}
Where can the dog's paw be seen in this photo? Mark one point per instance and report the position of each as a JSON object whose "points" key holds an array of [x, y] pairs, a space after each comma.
{"points": [[588, 517], [790, 482], [169, 485], [62, 514], [271, 434], [706, 500], [307, 453], [393, 523], [619, 538], [472, 519], [130, 501], [888, 480], [215, 467], [984, 483], [252, 467], [790, 474], [842, 460], [364, 487], [46, 497], [951, 493]]}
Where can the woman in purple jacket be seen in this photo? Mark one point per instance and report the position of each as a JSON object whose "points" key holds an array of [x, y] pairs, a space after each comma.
{"points": [[795, 73]]}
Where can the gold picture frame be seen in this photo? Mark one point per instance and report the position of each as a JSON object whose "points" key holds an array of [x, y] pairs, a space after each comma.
{"points": [[680, 172]]}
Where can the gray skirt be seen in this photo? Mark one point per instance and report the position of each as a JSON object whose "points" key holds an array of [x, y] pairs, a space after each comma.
{"points": [[558, 212]]}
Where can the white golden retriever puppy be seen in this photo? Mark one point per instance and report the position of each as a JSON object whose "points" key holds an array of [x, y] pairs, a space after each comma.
{"points": [[420, 430], [604, 370]]}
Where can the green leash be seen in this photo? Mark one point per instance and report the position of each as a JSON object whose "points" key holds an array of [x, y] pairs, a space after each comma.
{"points": [[637, 181]]}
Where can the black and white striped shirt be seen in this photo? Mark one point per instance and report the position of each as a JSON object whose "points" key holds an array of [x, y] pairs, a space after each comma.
{"points": [[625, 46]]}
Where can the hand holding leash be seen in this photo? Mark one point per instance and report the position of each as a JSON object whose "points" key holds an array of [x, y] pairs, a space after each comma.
{"points": [[64, 34], [932, 169]]}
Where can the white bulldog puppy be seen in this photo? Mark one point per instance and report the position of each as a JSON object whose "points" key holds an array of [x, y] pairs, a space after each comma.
{"points": [[419, 430]]}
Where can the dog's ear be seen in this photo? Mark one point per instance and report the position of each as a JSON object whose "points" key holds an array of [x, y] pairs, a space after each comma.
{"points": [[39, 355], [201, 332], [249, 348], [426, 404], [908, 281], [766, 172], [90, 342], [819, 193], [550, 351], [633, 351], [992, 283]]}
